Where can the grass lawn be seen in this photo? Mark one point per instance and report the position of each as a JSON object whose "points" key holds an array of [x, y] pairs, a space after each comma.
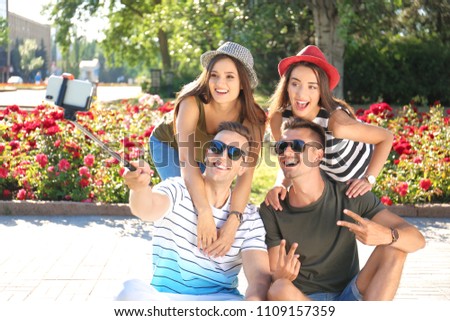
{"points": [[264, 176]]}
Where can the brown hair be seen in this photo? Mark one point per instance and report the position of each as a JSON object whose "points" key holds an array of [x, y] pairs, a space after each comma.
{"points": [[297, 123], [250, 110], [280, 99], [236, 127]]}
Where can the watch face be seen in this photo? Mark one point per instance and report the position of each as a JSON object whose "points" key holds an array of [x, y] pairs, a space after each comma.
{"points": [[371, 179]]}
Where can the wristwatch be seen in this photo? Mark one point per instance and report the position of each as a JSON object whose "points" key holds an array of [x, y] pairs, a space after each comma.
{"points": [[371, 179], [238, 215], [394, 234]]}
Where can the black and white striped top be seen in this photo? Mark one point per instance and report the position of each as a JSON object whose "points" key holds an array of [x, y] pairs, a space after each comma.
{"points": [[344, 159]]}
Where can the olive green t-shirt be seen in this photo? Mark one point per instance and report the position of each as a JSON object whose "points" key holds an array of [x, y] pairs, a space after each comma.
{"points": [[164, 132], [328, 253]]}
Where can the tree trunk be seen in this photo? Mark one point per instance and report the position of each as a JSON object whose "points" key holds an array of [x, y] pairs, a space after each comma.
{"points": [[326, 21], [164, 49]]}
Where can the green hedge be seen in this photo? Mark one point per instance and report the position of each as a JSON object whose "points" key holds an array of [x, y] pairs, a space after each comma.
{"points": [[398, 71]]}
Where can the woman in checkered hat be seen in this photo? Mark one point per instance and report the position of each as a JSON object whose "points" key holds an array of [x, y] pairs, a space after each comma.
{"points": [[222, 92], [355, 152]]}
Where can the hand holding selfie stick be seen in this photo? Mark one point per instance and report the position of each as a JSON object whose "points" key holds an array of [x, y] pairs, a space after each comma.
{"points": [[70, 115]]}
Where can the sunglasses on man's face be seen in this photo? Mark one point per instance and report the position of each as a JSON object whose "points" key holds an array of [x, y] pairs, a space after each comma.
{"points": [[233, 152], [297, 145]]}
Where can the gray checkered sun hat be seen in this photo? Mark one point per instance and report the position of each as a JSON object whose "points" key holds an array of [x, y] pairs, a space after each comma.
{"points": [[237, 51]]}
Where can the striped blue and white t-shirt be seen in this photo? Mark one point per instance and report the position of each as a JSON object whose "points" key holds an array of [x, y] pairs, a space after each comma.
{"points": [[179, 266], [344, 159]]}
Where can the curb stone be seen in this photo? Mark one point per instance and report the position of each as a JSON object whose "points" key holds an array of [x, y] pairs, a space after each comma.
{"points": [[62, 208], [421, 210], [122, 209]]}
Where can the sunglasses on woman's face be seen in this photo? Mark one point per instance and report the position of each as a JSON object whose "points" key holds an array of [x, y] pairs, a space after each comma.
{"points": [[233, 152], [297, 145]]}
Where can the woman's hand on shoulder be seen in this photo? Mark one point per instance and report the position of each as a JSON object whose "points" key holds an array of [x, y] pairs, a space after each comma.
{"points": [[357, 187], [274, 195]]}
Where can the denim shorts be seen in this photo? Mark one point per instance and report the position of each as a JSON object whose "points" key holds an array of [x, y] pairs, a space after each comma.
{"points": [[350, 293]]}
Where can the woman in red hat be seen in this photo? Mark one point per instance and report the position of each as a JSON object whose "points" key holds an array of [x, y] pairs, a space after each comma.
{"points": [[178, 145], [355, 152]]}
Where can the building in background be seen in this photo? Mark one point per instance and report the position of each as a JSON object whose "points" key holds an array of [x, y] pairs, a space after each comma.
{"points": [[4, 57], [21, 28], [90, 70]]}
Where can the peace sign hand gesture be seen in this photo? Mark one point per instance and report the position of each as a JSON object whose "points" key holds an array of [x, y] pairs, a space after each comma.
{"points": [[366, 231], [288, 266]]}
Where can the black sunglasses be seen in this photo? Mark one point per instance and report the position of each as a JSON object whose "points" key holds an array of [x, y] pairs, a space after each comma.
{"points": [[297, 146], [233, 152]]}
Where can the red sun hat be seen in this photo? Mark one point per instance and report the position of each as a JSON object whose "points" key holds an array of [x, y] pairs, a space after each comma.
{"points": [[315, 56]]}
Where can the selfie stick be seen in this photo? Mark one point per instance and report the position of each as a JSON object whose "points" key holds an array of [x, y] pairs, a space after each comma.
{"points": [[70, 114]]}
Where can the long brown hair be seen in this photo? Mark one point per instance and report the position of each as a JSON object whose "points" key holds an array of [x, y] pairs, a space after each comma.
{"points": [[250, 110], [279, 101]]}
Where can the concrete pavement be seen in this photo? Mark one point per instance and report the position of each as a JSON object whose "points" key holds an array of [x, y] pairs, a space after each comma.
{"points": [[87, 258], [34, 97]]}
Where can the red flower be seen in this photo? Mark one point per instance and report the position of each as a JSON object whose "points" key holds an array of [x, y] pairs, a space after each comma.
{"points": [[32, 144], [57, 143], [16, 127], [402, 189], [84, 172], [121, 171], [6, 193], [89, 160], [402, 146], [2, 148], [382, 109], [48, 122], [84, 182], [52, 130], [417, 160], [31, 125], [14, 145], [425, 184], [57, 114], [64, 165], [3, 172], [111, 161], [127, 143], [149, 131], [386, 200], [42, 160], [22, 194], [167, 107], [87, 114], [423, 128], [13, 108]]}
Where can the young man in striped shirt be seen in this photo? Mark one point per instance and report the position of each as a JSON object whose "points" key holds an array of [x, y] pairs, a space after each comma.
{"points": [[182, 271]]}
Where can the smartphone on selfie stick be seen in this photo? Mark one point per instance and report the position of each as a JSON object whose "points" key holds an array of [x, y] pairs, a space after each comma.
{"points": [[75, 95]]}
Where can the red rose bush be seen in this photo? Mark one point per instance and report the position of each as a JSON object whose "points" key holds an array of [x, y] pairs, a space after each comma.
{"points": [[45, 157]]}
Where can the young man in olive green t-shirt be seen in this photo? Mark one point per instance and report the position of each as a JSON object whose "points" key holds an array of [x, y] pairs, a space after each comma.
{"points": [[319, 225]]}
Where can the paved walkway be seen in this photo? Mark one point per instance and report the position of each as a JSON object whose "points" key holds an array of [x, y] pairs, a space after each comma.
{"points": [[86, 258]]}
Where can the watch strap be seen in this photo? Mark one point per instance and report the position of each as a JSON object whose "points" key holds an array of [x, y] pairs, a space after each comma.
{"points": [[238, 214], [394, 235]]}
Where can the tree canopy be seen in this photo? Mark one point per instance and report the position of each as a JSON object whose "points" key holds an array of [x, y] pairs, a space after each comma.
{"points": [[171, 35]]}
